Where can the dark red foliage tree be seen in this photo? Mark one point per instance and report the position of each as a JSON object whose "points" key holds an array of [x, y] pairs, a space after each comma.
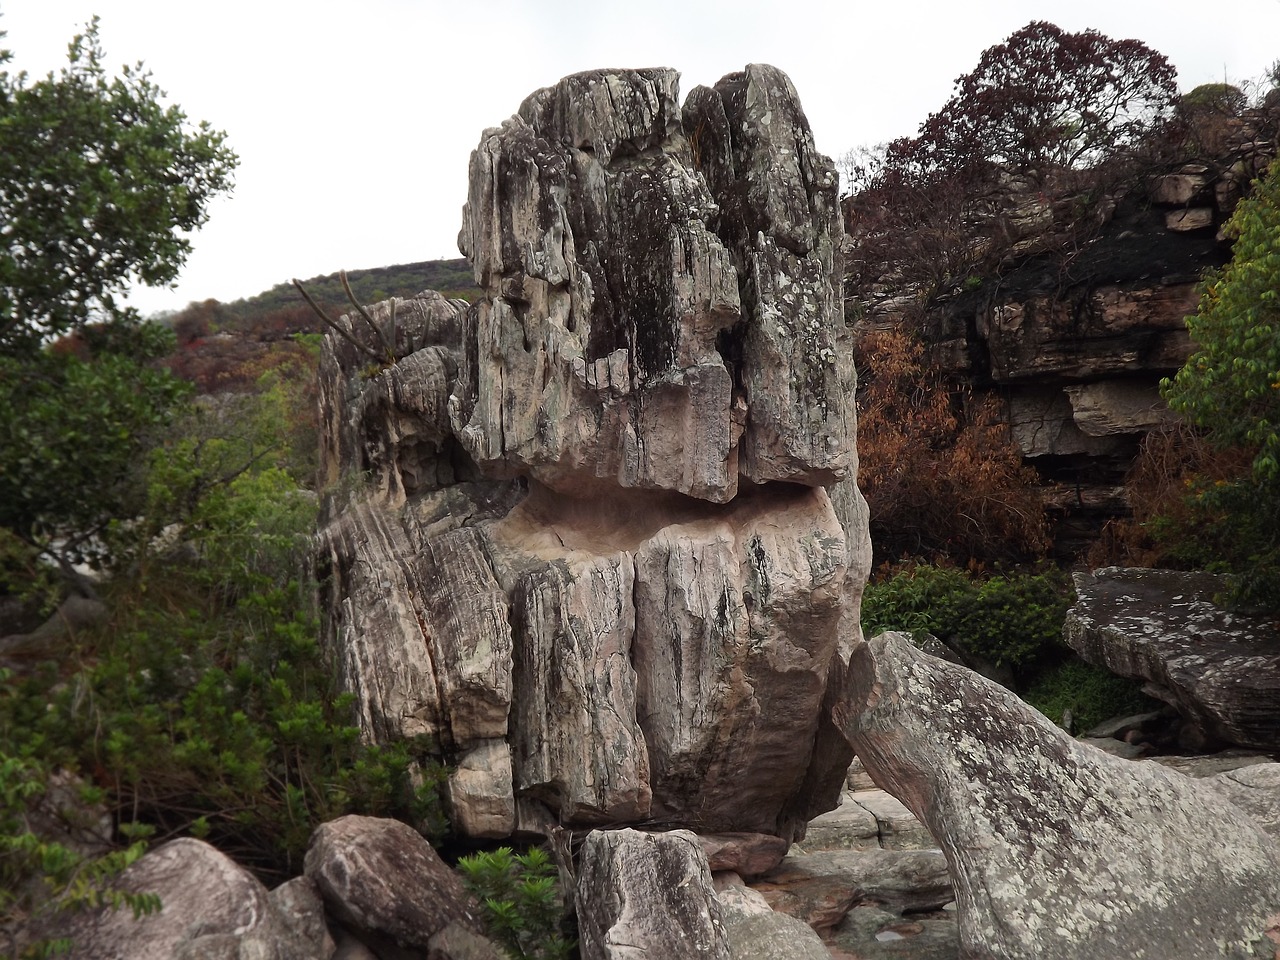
{"points": [[1047, 100], [1044, 116]]}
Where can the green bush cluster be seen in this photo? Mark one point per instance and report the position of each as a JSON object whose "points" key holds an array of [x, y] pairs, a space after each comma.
{"points": [[1090, 693], [204, 705], [1230, 388], [1007, 620], [42, 878], [522, 901]]}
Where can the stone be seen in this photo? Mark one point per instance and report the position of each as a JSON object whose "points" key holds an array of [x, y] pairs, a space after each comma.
{"points": [[1220, 670], [737, 624], [870, 933], [608, 515], [481, 799], [1112, 331], [383, 881], [459, 942], [301, 908], [1179, 189], [647, 895], [857, 778], [1193, 218], [1117, 406], [210, 907], [850, 826], [1043, 424], [1057, 850], [1212, 764], [896, 826], [1255, 789], [746, 854], [756, 932], [820, 888], [1117, 727]]}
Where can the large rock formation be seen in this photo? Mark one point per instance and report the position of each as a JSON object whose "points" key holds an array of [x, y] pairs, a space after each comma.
{"points": [[1220, 670], [1073, 325], [1056, 850], [645, 896], [596, 537]]}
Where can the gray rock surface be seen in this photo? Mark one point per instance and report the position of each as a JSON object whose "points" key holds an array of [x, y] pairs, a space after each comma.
{"points": [[1220, 670], [1057, 850], [820, 888], [756, 931], [647, 895], [868, 819], [606, 517], [1255, 789], [211, 908], [383, 881]]}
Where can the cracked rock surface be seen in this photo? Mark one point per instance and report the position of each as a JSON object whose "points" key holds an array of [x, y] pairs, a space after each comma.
{"points": [[596, 537]]}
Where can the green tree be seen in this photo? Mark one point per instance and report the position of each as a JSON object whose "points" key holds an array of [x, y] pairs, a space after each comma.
{"points": [[74, 436], [99, 184], [1231, 387]]}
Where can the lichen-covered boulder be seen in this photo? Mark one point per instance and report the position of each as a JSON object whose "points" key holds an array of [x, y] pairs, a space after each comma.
{"points": [[1056, 849], [1219, 669]]}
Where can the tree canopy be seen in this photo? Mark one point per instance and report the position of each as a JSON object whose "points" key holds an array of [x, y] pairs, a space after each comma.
{"points": [[100, 182], [1231, 384], [1230, 387], [1043, 100]]}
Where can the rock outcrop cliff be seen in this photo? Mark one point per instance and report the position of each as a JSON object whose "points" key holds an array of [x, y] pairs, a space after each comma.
{"points": [[1083, 312], [596, 537]]}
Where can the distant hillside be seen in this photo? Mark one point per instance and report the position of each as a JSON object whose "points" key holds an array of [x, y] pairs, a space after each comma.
{"points": [[453, 278], [228, 346]]}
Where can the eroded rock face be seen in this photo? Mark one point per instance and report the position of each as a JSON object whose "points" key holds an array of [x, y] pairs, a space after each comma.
{"points": [[647, 895], [1220, 670], [607, 548], [1056, 850]]}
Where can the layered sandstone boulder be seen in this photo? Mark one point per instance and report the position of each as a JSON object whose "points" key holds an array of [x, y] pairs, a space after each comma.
{"points": [[596, 537]]}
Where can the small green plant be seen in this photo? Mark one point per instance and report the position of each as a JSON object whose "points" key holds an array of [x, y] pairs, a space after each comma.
{"points": [[521, 897], [1090, 693], [1011, 620], [41, 878]]}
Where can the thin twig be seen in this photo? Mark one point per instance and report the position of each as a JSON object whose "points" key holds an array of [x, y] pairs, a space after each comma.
{"points": [[390, 354], [336, 327]]}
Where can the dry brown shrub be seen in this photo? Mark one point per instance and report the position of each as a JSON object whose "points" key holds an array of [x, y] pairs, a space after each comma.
{"points": [[937, 465], [1171, 462]]}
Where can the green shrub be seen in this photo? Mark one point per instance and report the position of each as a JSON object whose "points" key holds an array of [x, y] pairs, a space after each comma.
{"points": [[1091, 693], [42, 878], [522, 901], [204, 705], [1008, 620]]}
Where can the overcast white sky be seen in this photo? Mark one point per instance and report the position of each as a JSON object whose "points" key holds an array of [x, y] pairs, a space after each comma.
{"points": [[354, 120]]}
